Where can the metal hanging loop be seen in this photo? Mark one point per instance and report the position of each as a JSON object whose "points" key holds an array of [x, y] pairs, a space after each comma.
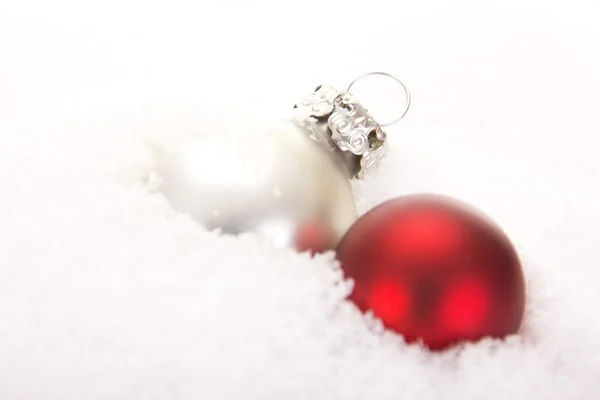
{"points": [[406, 91]]}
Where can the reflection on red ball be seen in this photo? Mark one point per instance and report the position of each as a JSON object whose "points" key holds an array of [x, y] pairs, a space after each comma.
{"points": [[434, 270], [314, 237]]}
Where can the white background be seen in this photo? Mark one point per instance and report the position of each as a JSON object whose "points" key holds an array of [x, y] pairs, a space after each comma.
{"points": [[504, 116]]}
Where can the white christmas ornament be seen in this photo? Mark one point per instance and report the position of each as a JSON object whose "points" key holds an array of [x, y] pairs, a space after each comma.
{"points": [[280, 184], [289, 184]]}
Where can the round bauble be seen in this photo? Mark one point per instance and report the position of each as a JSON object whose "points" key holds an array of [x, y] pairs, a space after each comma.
{"points": [[434, 270], [280, 184]]}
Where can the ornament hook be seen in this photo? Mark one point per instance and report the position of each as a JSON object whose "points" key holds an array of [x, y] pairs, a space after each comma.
{"points": [[406, 91]]}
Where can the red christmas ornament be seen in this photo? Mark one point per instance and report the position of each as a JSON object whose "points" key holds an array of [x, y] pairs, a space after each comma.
{"points": [[432, 269]]}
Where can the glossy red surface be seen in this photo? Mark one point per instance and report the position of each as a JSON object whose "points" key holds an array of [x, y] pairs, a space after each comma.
{"points": [[433, 269]]}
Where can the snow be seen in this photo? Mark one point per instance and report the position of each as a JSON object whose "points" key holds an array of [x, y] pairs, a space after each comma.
{"points": [[106, 292]]}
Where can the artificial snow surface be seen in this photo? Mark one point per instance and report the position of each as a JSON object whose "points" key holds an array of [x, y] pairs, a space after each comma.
{"points": [[108, 293]]}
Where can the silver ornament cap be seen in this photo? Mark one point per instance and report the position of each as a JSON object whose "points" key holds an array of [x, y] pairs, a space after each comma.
{"points": [[338, 120]]}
